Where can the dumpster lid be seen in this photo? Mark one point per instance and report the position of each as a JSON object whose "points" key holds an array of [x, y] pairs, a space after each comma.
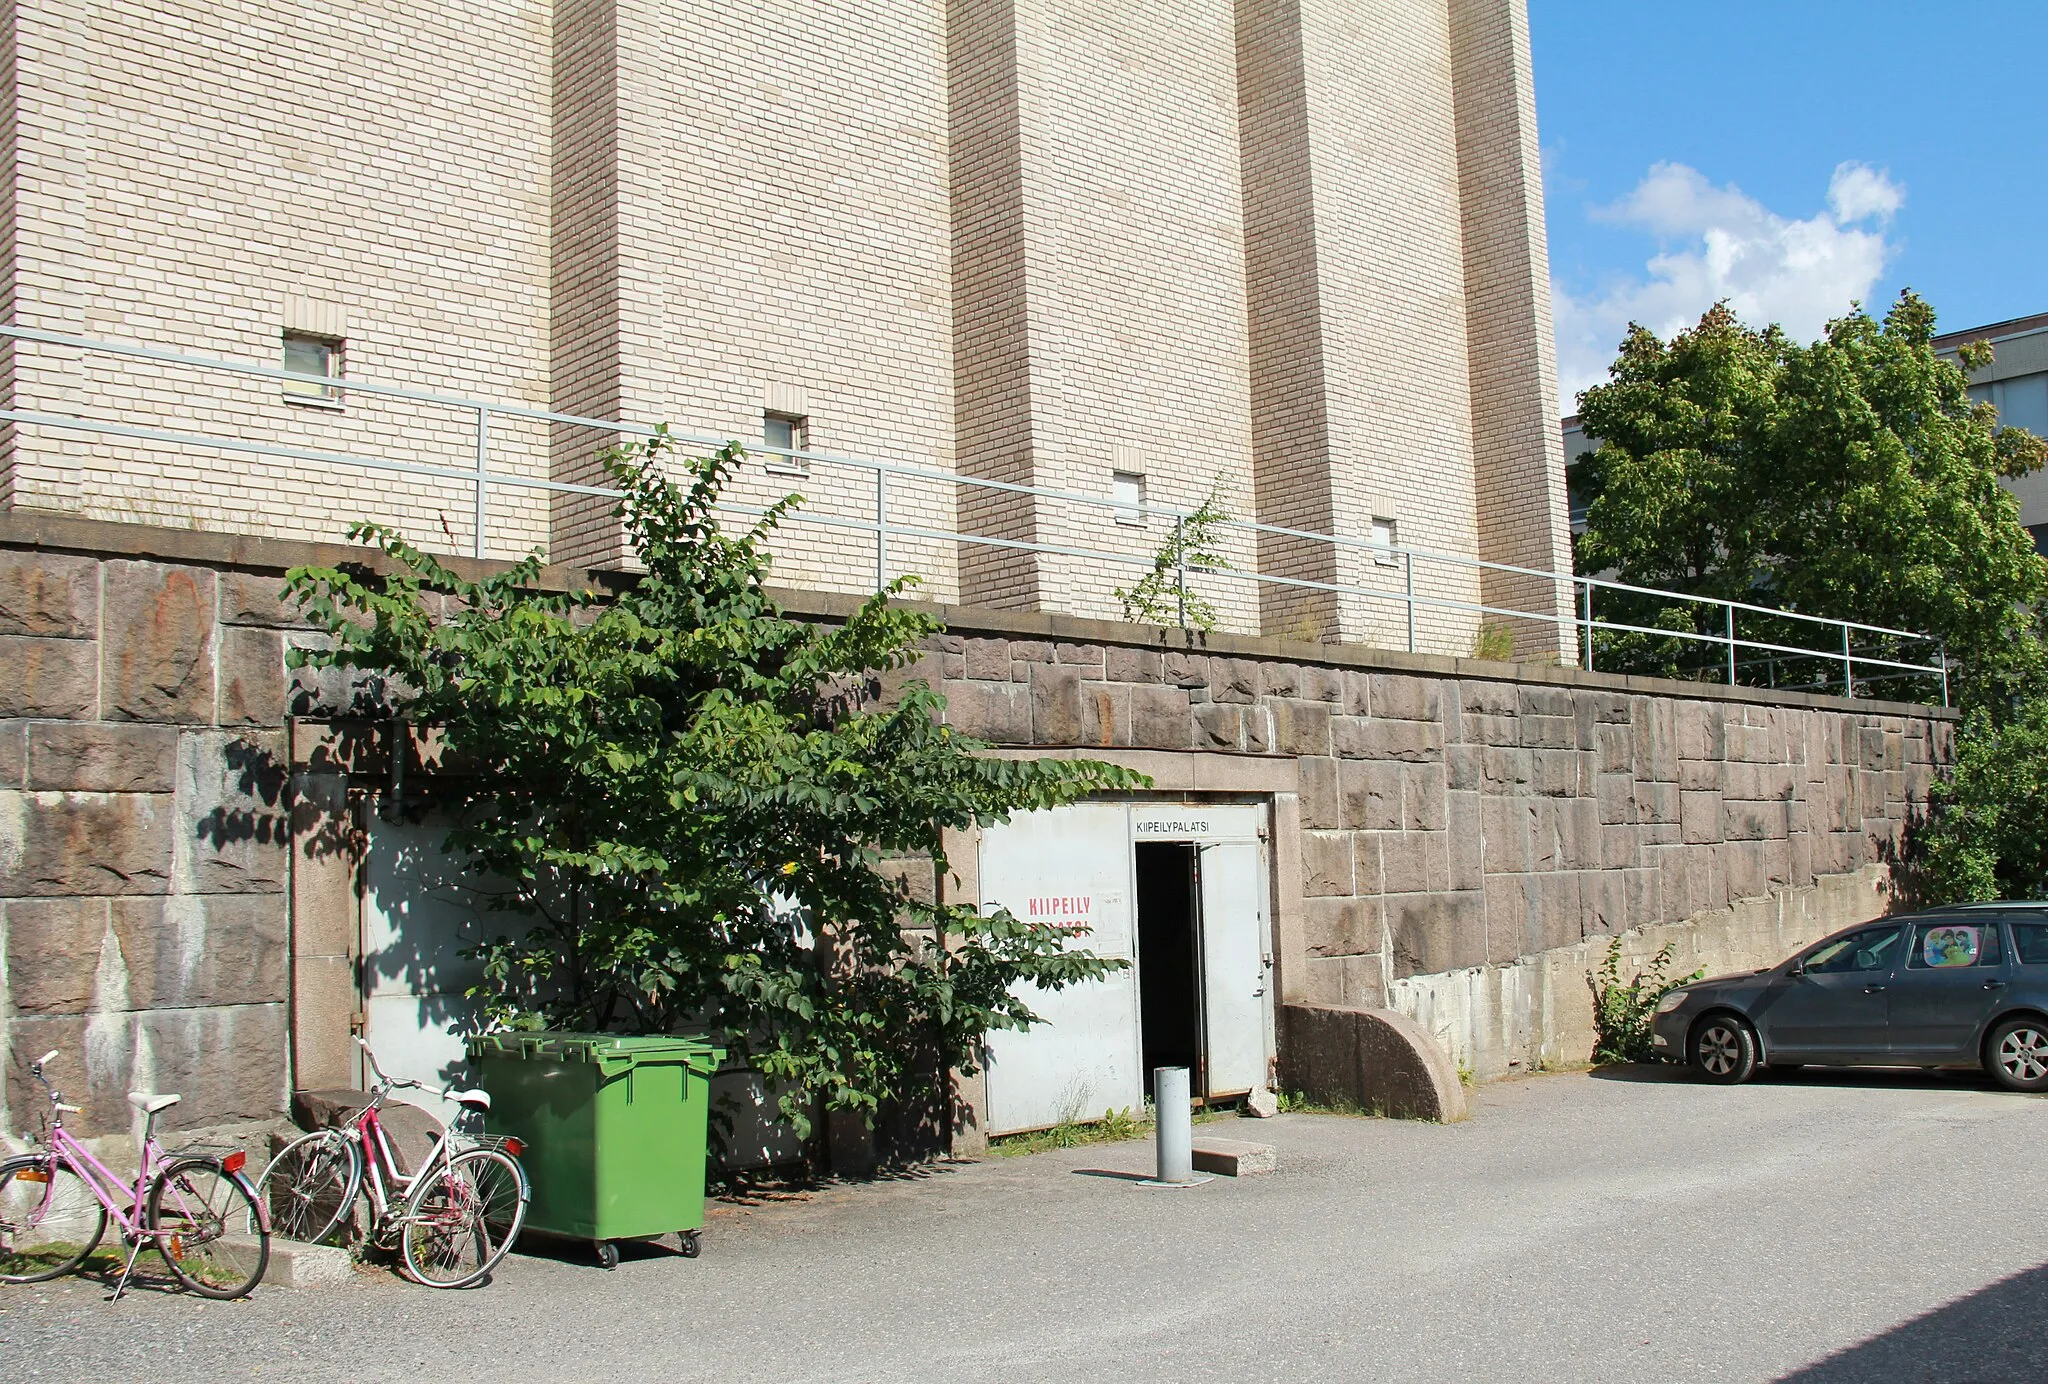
{"points": [[611, 1049]]}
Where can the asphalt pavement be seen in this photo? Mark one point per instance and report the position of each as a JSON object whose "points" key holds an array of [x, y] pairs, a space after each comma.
{"points": [[1815, 1227]]}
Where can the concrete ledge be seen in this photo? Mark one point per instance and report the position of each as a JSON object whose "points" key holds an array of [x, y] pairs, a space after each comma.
{"points": [[1369, 1059], [1234, 1157], [296, 1265]]}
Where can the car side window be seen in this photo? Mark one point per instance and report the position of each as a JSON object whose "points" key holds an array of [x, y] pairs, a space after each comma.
{"points": [[1939, 946], [1867, 949], [2030, 941]]}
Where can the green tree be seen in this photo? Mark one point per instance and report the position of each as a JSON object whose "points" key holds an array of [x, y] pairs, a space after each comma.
{"points": [[697, 805], [1851, 478]]}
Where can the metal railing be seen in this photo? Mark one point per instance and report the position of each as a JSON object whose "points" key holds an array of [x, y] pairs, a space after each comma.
{"points": [[1726, 650]]}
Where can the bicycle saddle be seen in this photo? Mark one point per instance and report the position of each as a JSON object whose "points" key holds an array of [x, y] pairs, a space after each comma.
{"points": [[474, 1099], [148, 1104]]}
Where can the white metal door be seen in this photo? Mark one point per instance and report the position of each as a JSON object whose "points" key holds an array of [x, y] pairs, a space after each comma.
{"points": [[1067, 865], [1234, 965], [419, 913]]}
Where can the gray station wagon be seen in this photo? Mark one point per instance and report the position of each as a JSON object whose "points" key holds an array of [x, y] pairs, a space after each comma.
{"points": [[1965, 985]]}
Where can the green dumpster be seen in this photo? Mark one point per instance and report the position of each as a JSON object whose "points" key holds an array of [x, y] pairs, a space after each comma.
{"points": [[614, 1126]]}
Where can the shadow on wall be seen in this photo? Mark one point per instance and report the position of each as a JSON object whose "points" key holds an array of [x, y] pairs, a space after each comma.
{"points": [[1989, 1337]]}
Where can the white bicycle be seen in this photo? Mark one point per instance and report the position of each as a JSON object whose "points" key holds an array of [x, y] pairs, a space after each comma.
{"points": [[451, 1219]]}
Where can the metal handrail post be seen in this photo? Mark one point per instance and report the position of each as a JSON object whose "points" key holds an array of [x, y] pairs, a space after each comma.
{"points": [[1731, 644], [1848, 666], [1408, 562], [1941, 657], [1586, 614], [881, 529], [483, 473], [1180, 560]]}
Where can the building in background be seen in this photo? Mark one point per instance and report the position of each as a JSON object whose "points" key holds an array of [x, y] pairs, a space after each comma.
{"points": [[2016, 384], [1289, 253]]}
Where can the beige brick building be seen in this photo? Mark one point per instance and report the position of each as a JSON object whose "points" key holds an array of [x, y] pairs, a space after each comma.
{"points": [[1288, 252]]}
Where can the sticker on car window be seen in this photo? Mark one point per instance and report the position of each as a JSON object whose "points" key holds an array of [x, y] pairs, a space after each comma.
{"points": [[1950, 945]]}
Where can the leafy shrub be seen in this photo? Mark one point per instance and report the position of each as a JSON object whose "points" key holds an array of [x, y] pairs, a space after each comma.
{"points": [[1622, 1010]]}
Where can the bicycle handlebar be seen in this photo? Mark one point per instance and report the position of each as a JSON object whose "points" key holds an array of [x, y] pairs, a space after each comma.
{"points": [[47, 1058]]}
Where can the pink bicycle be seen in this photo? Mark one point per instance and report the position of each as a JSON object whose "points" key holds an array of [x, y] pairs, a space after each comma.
{"points": [[193, 1206], [453, 1217]]}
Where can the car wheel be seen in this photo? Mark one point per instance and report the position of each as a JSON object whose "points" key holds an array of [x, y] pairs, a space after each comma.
{"points": [[1723, 1050], [2016, 1054]]}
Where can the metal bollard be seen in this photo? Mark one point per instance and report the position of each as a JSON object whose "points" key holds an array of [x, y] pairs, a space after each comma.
{"points": [[1176, 1128]]}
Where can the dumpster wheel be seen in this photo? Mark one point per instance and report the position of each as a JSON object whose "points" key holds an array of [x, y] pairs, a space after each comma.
{"points": [[607, 1253], [686, 1243]]}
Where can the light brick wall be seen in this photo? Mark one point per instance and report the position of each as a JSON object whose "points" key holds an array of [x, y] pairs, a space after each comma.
{"points": [[188, 172], [1524, 520]]}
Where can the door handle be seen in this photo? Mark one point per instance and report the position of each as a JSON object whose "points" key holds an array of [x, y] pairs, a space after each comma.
{"points": [[1873, 989], [1994, 985]]}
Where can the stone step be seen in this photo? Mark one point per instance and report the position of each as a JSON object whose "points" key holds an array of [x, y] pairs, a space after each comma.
{"points": [[1234, 1157], [296, 1265]]}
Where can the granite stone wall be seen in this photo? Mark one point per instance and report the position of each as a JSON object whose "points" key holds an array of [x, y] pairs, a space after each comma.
{"points": [[143, 837], [177, 891]]}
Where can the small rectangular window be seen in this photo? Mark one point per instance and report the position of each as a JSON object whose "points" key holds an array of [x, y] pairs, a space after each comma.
{"points": [[1385, 535], [1127, 488], [785, 432], [2031, 941], [305, 354]]}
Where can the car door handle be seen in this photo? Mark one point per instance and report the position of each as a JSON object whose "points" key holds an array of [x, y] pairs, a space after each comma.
{"points": [[1994, 985], [1873, 989]]}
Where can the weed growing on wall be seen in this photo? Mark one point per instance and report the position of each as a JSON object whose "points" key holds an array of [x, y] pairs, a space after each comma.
{"points": [[1622, 1010], [693, 799], [1161, 596]]}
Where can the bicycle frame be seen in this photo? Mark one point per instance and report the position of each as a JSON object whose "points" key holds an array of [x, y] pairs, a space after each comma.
{"points": [[380, 1162]]}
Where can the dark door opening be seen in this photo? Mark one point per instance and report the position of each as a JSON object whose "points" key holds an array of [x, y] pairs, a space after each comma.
{"points": [[1169, 960]]}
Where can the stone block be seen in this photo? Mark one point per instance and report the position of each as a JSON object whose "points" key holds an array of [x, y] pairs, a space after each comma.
{"points": [[54, 951], [1507, 824], [1219, 726], [97, 757], [1701, 775], [1372, 795], [1422, 797], [252, 677], [1558, 922], [1321, 809], [1258, 730], [1187, 670], [1511, 901], [1081, 655], [13, 754], [84, 843], [1341, 926], [1554, 773], [1357, 698], [1300, 727], [1411, 742], [1233, 1157], [1550, 732], [247, 598], [1279, 680], [1413, 862], [48, 677], [1325, 864], [1368, 878], [1616, 747], [1753, 821], [1433, 933], [1367, 1059], [1323, 685], [1753, 744], [52, 594], [1465, 843], [1547, 701], [1488, 699], [228, 1063], [1620, 847], [1133, 665], [1699, 818], [1233, 680], [1615, 793], [209, 949], [955, 667], [1400, 697], [988, 660], [996, 712], [1481, 728], [1702, 730], [1105, 715], [159, 637], [232, 833], [1030, 651], [1161, 718], [1464, 767]]}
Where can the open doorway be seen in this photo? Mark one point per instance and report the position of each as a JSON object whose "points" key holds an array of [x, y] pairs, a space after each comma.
{"points": [[1169, 959]]}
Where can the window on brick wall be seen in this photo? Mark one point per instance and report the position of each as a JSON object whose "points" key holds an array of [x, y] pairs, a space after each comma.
{"points": [[787, 432], [1127, 488], [306, 354], [1385, 534]]}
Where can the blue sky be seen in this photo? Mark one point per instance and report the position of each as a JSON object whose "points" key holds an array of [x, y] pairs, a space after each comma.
{"points": [[1791, 156]]}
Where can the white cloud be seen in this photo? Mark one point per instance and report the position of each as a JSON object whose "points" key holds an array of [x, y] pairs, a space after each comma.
{"points": [[1719, 242]]}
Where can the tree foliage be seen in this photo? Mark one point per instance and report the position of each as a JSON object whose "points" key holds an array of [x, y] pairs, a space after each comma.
{"points": [[693, 802], [1161, 596], [1850, 478]]}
